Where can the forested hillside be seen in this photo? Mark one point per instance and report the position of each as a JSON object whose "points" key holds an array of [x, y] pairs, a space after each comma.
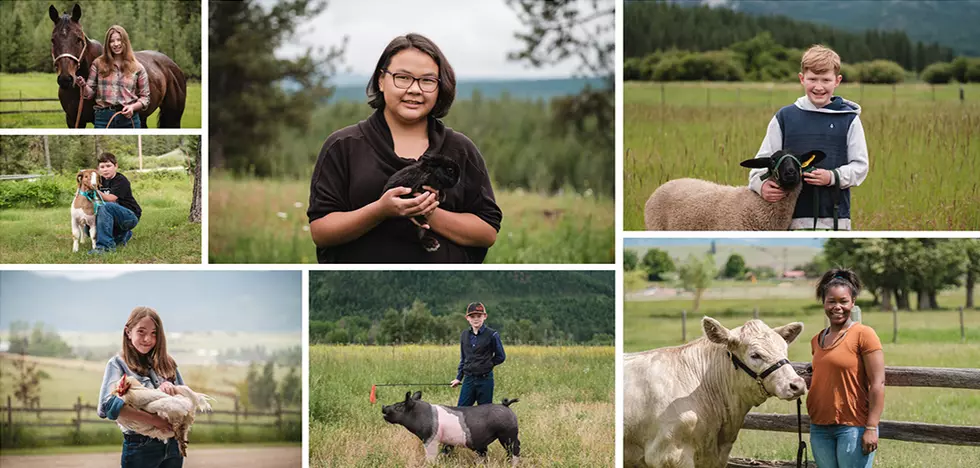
{"points": [[653, 26], [378, 307]]}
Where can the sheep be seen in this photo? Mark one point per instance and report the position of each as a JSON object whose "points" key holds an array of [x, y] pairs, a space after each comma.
{"points": [[698, 205]]}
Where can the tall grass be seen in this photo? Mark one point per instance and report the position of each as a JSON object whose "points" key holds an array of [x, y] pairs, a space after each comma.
{"points": [[44, 85], [923, 152], [566, 413], [264, 221]]}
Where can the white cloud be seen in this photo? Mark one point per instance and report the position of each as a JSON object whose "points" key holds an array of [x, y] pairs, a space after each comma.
{"points": [[89, 275]]}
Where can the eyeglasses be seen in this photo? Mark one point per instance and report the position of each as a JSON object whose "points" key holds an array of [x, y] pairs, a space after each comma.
{"points": [[405, 81]]}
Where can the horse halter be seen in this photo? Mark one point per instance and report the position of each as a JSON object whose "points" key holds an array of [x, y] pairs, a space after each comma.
{"points": [[78, 59], [758, 377]]}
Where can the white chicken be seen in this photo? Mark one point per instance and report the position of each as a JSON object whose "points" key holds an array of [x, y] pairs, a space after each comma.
{"points": [[179, 410]]}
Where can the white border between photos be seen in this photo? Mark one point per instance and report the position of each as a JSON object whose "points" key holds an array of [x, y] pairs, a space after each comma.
{"points": [[618, 65]]}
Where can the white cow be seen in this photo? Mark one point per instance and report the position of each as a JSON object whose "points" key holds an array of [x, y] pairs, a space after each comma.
{"points": [[684, 405]]}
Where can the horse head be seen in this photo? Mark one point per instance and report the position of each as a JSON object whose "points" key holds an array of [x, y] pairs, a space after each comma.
{"points": [[69, 45]]}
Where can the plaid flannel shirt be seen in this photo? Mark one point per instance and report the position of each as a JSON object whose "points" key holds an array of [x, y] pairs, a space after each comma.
{"points": [[119, 89]]}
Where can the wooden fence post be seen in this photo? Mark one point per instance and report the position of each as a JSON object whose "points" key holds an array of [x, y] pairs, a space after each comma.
{"points": [[78, 415], [894, 324], [755, 313], [962, 329], [10, 413], [279, 414], [663, 93], [684, 326], [236, 413]]}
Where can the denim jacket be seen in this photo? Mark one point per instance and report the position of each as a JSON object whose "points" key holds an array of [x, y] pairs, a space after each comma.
{"points": [[109, 404]]}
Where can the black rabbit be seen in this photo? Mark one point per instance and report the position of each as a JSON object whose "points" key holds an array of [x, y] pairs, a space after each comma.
{"points": [[434, 170]]}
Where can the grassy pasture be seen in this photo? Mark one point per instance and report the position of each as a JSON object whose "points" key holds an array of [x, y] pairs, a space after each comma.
{"points": [[923, 144], [71, 379], [927, 339], [163, 235], [44, 85], [566, 413], [264, 221]]}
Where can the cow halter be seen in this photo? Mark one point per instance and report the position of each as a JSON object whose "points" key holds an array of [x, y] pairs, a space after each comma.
{"points": [[758, 377]]}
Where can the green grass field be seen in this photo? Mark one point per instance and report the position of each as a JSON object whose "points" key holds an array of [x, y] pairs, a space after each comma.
{"points": [[43, 235], [923, 152], [566, 413], [264, 221], [70, 380], [927, 339], [45, 85]]}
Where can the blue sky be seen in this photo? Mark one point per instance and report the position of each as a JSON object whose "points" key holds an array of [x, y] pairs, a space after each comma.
{"points": [[782, 242], [244, 301]]}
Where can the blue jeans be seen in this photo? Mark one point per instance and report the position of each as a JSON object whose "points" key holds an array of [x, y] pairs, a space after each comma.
{"points": [[838, 446], [140, 451], [115, 224], [476, 389], [102, 117]]}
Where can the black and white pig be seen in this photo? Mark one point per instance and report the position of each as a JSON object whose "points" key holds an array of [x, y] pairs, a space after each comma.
{"points": [[474, 427]]}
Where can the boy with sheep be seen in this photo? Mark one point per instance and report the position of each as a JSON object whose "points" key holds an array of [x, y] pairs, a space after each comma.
{"points": [[824, 122]]}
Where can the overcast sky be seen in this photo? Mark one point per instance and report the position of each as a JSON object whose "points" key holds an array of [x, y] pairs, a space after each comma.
{"points": [[475, 35], [244, 301]]}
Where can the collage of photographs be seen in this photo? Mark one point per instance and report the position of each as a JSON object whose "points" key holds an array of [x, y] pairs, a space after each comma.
{"points": [[455, 233]]}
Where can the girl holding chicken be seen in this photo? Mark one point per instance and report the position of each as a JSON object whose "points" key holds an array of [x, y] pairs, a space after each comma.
{"points": [[144, 357]]}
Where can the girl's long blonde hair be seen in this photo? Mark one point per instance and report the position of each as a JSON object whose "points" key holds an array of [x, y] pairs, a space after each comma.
{"points": [[157, 359], [104, 62]]}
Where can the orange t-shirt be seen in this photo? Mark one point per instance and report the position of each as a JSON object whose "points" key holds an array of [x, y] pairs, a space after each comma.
{"points": [[839, 388]]}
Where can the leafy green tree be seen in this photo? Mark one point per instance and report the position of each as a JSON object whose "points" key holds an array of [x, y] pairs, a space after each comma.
{"points": [[656, 262], [291, 388], [262, 389], [734, 267], [629, 260], [696, 275], [254, 93]]}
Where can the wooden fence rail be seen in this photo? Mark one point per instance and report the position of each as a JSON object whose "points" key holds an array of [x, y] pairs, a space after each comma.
{"points": [[895, 376], [78, 408], [22, 111]]}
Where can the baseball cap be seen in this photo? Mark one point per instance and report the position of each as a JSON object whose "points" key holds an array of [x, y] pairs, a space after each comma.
{"points": [[475, 307]]}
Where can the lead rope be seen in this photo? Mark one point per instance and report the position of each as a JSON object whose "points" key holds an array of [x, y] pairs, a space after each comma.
{"points": [[802, 459]]}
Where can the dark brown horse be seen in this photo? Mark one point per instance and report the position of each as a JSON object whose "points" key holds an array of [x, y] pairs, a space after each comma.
{"points": [[73, 53]]}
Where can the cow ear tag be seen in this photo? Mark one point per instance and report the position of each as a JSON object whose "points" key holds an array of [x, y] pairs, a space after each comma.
{"points": [[808, 161]]}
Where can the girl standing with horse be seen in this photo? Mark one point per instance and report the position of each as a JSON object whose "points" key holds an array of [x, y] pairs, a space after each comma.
{"points": [[118, 82]]}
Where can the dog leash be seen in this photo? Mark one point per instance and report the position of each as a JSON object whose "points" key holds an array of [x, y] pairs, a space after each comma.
{"points": [[802, 460]]}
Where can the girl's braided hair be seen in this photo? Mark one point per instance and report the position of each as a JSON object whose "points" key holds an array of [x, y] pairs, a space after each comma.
{"points": [[839, 277]]}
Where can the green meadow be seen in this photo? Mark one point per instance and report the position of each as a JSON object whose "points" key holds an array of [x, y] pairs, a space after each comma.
{"points": [[264, 221], [44, 85], [566, 410], [42, 234], [925, 338], [922, 141]]}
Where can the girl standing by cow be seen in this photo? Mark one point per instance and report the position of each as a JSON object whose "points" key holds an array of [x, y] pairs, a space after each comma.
{"points": [[144, 356], [847, 390], [118, 82], [353, 220]]}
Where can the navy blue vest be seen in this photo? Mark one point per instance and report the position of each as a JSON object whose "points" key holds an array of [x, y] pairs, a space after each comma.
{"points": [[807, 130], [478, 360]]}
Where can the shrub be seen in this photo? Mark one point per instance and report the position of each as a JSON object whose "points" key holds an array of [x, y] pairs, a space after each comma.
{"points": [[882, 72], [938, 73]]}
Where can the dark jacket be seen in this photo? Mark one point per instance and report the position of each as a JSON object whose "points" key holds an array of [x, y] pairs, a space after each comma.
{"points": [[478, 354], [351, 171]]}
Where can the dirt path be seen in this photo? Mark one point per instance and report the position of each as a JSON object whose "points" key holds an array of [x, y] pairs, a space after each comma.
{"points": [[291, 457]]}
